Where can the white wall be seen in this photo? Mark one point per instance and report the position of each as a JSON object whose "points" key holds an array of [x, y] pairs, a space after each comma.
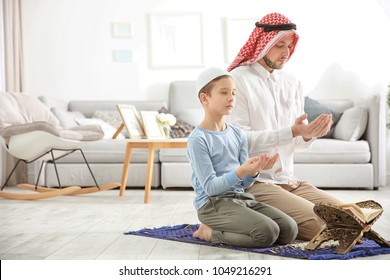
{"points": [[68, 45]]}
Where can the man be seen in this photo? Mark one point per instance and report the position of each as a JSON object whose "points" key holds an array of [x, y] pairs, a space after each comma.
{"points": [[270, 107]]}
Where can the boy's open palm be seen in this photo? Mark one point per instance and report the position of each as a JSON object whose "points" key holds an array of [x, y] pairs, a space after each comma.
{"points": [[263, 161], [271, 162]]}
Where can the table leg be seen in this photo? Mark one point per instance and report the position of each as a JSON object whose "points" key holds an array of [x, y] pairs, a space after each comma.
{"points": [[125, 170], [149, 173]]}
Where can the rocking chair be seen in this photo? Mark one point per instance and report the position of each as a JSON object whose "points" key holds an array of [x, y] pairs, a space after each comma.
{"points": [[30, 132]]}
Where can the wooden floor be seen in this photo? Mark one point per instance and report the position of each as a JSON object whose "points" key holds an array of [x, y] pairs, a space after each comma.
{"points": [[91, 227]]}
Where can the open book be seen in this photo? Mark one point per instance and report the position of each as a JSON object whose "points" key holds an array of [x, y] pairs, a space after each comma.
{"points": [[365, 215]]}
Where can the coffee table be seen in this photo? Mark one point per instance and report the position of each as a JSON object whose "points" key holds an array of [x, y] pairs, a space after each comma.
{"points": [[151, 145]]}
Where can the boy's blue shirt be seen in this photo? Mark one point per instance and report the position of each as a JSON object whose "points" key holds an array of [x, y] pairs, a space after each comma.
{"points": [[214, 158]]}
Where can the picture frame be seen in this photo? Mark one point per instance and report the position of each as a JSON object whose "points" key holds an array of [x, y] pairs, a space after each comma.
{"points": [[151, 125], [132, 121], [236, 32], [175, 40], [122, 29], [122, 56]]}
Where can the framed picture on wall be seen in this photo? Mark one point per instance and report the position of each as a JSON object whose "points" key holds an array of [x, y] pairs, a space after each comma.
{"points": [[132, 121], [152, 127], [175, 40], [236, 33], [122, 29]]}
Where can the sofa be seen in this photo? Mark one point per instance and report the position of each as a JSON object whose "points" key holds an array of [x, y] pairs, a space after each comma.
{"points": [[352, 157], [355, 159]]}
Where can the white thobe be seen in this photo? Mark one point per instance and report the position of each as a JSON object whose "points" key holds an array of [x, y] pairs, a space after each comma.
{"points": [[267, 105]]}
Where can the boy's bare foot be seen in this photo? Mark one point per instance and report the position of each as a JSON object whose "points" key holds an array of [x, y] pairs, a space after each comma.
{"points": [[203, 232]]}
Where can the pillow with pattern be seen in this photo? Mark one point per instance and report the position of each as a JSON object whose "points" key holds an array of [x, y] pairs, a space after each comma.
{"points": [[180, 129], [111, 117]]}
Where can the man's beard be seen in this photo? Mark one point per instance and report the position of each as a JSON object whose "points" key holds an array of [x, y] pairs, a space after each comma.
{"points": [[271, 64]]}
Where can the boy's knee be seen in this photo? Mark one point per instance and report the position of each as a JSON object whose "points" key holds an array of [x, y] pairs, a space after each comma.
{"points": [[265, 234], [288, 232]]}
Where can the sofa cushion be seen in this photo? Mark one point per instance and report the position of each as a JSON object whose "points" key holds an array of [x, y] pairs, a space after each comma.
{"points": [[314, 108], [352, 124], [113, 118], [323, 150], [108, 129], [192, 116], [335, 151], [89, 107], [181, 129], [184, 102], [173, 155], [51, 102], [66, 118]]}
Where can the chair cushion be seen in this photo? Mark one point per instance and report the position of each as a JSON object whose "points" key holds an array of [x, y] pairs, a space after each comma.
{"points": [[18, 108], [78, 133], [22, 113]]}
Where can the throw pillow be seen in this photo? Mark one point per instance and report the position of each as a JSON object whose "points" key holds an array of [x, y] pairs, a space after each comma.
{"points": [[113, 118], [66, 118], [108, 129], [313, 109], [180, 129], [352, 124]]}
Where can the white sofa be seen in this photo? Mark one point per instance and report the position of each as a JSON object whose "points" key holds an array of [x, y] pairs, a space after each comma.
{"points": [[105, 157], [329, 163]]}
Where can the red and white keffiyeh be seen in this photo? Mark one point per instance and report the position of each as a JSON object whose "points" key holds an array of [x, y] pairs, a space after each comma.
{"points": [[260, 42]]}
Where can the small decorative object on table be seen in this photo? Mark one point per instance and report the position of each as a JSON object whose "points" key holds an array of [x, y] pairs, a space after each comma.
{"points": [[347, 224], [166, 121]]}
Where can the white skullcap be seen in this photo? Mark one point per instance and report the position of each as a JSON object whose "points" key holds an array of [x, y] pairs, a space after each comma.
{"points": [[208, 75]]}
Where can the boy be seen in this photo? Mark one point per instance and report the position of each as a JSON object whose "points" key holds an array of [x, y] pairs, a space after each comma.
{"points": [[218, 153]]}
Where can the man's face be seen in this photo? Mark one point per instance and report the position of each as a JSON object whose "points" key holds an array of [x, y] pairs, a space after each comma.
{"points": [[279, 54]]}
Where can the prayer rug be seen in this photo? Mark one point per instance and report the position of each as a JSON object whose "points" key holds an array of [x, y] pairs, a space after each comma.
{"points": [[183, 233]]}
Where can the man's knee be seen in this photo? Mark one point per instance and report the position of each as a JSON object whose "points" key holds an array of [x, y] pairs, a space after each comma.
{"points": [[309, 228]]}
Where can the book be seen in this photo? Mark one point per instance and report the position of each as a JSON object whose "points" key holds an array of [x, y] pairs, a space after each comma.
{"points": [[365, 215]]}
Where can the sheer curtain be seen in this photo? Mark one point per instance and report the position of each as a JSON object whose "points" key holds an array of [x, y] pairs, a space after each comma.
{"points": [[2, 88], [12, 69], [13, 47], [2, 65]]}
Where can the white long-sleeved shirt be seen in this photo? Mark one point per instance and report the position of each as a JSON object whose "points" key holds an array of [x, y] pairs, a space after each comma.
{"points": [[214, 157], [267, 105]]}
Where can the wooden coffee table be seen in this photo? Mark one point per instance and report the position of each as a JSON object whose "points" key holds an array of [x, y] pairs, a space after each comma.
{"points": [[151, 145]]}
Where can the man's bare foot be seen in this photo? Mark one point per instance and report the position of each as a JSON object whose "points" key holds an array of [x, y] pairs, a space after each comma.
{"points": [[203, 232]]}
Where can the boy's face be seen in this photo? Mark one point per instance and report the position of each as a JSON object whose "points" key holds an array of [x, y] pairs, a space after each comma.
{"points": [[279, 54], [221, 99]]}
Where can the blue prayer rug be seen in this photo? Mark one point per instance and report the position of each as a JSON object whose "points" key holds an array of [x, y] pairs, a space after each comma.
{"points": [[183, 233]]}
